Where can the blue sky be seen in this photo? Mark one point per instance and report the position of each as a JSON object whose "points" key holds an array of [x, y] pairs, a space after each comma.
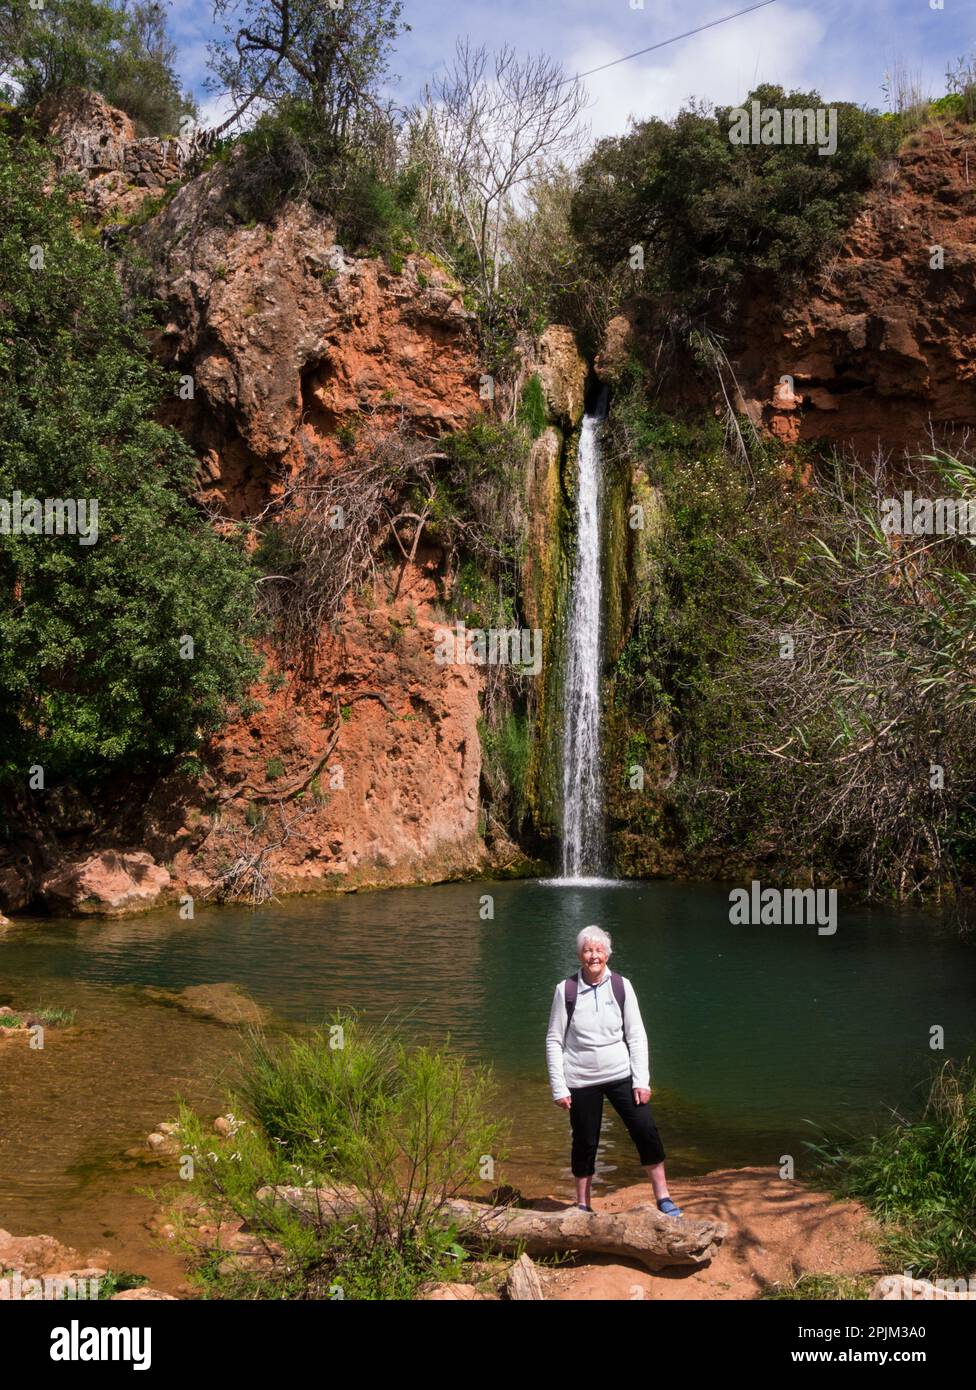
{"points": [[841, 47]]}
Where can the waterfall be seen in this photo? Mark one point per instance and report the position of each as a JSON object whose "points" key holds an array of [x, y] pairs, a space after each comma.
{"points": [[582, 781]]}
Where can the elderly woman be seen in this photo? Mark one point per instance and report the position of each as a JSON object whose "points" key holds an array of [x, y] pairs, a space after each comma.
{"points": [[596, 1046]]}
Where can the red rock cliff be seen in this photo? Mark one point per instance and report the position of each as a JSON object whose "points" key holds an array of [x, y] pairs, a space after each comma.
{"points": [[288, 340], [881, 344]]}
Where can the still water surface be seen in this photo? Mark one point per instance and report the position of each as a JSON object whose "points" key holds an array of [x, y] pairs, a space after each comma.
{"points": [[759, 1036]]}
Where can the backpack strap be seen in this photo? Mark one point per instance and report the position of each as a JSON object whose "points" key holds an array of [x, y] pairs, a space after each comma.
{"points": [[619, 990], [571, 984], [571, 990]]}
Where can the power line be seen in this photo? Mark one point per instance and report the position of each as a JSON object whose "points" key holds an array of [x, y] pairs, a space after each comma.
{"points": [[664, 42]]}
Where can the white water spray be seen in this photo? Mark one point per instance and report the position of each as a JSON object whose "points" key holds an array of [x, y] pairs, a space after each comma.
{"points": [[582, 780]]}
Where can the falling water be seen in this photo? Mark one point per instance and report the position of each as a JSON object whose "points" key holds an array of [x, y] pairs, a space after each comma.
{"points": [[582, 782]]}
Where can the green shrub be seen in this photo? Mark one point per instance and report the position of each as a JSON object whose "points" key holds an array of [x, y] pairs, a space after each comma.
{"points": [[287, 154], [506, 750], [532, 407], [710, 214], [823, 1288], [406, 1128], [116, 47], [120, 1281]]}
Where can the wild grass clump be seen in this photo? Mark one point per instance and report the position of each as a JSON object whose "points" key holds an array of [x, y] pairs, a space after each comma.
{"points": [[49, 1017], [822, 1288], [345, 1146], [918, 1177]]}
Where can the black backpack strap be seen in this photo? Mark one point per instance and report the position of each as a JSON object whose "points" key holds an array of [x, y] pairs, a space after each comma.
{"points": [[571, 989], [619, 990]]}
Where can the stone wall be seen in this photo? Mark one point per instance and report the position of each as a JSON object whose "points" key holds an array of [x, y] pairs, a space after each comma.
{"points": [[100, 143]]}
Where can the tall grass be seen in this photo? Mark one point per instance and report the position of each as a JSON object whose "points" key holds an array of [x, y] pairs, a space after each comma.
{"points": [[918, 1177]]}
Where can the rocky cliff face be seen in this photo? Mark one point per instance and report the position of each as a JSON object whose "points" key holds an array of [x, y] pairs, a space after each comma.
{"points": [[288, 342], [878, 347], [360, 762]]}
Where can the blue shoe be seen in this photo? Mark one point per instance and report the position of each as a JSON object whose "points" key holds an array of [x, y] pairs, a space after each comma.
{"points": [[669, 1208], [582, 1208]]}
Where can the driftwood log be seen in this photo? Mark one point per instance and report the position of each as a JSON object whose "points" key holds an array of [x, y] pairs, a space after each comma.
{"points": [[641, 1234]]}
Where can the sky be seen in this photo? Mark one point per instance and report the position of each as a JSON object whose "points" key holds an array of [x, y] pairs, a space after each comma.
{"points": [[841, 48]]}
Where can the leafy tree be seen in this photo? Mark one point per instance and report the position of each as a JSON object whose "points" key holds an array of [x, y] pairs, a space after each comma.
{"points": [[93, 668], [334, 56], [308, 77], [708, 213], [117, 47]]}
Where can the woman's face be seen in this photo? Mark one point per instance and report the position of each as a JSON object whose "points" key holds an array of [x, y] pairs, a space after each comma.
{"points": [[593, 955]]}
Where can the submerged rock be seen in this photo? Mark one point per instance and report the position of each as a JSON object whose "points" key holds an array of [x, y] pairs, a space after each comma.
{"points": [[226, 1003]]}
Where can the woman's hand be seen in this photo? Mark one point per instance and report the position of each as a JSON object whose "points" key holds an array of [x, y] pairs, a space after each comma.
{"points": [[641, 1097], [565, 1102]]}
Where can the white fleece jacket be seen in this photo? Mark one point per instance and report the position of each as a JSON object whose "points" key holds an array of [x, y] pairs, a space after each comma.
{"points": [[597, 1047]]}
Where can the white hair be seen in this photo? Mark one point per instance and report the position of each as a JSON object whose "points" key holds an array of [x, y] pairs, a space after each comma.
{"points": [[596, 934]]}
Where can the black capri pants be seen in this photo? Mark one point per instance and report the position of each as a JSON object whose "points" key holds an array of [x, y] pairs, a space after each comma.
{"points": [[586, 1114]]}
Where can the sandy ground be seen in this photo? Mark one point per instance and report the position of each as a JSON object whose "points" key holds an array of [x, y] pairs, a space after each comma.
{"points": [[778, 1230]]}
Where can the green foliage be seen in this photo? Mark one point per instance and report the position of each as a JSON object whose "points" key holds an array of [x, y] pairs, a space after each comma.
{"points": [[822, 1288], [91, 671], [532, 407], [324, 134], [918, 1177], [960, 100], [506, 750], [331, 58], [116, 47], [275, 552], [477, 508], [120, 1281], [818, 756], [406, 1127], [719, 523], [55, 1017], [710, 214]]}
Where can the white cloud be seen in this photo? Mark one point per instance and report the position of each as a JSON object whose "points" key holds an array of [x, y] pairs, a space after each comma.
{"points": [[720, 65], [214, 110]]}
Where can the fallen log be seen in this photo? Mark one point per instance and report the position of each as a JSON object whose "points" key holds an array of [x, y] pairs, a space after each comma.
{"points": [[642, 1233]]}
